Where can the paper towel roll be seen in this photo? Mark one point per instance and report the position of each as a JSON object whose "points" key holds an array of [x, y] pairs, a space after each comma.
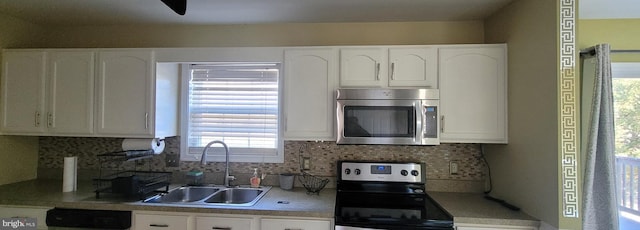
{"points": [[70, 174], [154, 144]]}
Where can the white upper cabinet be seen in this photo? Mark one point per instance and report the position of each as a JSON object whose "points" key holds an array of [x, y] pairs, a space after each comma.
{"points": [[413, 67], [71, 92], [362, 67], [57, 92], [473, 94], [389, 67], [23, 92], [310, 75], [131, 100], [53, 97], [125, 94]]}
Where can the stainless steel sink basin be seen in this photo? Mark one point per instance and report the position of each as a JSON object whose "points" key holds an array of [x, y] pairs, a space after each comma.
{"points": [[235, 196], [210, 196], [184, 194]]}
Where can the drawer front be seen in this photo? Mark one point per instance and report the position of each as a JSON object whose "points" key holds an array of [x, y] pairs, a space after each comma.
{"points": [[160, 222], [289, 224], [223, 223]]}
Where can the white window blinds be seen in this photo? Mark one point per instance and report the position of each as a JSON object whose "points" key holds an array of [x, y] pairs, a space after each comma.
{"points": [[236, 103]]}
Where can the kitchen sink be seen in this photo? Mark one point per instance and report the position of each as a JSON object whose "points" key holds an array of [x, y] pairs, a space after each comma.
{"points": [[186, 194], [235, 196], [210, 196]]}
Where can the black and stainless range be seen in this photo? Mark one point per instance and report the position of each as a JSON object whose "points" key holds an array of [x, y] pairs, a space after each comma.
{"points": [[386, 195]]}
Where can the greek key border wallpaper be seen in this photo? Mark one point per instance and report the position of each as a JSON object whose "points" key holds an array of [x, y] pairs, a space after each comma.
{"points": [[568, 109]]}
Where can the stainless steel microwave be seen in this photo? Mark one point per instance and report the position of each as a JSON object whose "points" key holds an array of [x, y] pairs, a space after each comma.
{"points": [[388, 116]]}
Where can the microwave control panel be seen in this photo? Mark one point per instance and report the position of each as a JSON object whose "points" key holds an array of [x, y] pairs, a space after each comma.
{"points": [[430, 116]]}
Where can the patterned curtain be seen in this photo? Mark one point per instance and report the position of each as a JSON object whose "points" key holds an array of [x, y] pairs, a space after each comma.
{"points": [[600, 206]]}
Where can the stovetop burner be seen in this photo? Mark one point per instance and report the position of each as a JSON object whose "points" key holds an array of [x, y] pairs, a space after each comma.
{"points": [[386, 195]]}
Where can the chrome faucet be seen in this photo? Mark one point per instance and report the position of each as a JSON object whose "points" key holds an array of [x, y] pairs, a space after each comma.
{"points": [[203, 161]]}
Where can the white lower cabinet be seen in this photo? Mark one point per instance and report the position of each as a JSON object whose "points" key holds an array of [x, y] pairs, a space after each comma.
{"points": [[225, 223], [39, 213], [165, 221], [151, 220], [294, 224], [492, 227]]}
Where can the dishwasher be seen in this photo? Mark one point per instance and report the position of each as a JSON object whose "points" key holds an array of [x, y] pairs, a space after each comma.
{"points": [[74, 219]]}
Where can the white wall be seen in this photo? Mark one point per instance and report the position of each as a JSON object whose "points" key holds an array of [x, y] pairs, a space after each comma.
{"points": [[18, 155], [305, 34], [525, 172]]}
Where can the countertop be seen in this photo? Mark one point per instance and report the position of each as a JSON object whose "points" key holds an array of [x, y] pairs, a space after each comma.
{"points": [[473, 208], [469, 208], [48, 193]]}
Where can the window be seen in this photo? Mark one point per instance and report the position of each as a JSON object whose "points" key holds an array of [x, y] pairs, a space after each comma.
{"points": [[626, 93], [238, 103], [626, 97]]}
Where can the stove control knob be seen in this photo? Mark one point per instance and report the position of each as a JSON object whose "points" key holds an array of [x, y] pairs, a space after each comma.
{"points": [[404, 172], [357, 171], [347, 171], [414, 172]]}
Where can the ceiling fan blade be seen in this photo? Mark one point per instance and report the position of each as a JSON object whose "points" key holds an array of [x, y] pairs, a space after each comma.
{"points": [[178, 6]]}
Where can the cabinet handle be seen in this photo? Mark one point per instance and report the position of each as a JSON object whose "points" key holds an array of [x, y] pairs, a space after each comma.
{"points": [[377, 71], [50, 120], [221, 228], [393, 71], [442, 124], [159, 225], [293, 229], [146, 121], [37, 119]]}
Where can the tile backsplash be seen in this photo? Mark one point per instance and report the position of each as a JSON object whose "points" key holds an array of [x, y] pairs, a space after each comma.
{"points": [[324, 156]]}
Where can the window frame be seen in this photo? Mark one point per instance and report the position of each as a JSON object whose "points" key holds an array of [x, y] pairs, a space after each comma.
{"points": [[625, 69], [215, 153]]}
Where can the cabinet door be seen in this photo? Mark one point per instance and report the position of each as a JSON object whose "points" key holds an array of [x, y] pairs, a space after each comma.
{"points": [[71, 92], [23, 85], [157, 222], [309, 93], [362, 67], [125, 94], [413, 67], [294, 224], [473, 94], [223, 223], [38, 213]]}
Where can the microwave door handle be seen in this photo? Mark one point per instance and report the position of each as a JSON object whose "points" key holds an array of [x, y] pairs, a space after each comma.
{"points": [[419, 132], [423, 120]]}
